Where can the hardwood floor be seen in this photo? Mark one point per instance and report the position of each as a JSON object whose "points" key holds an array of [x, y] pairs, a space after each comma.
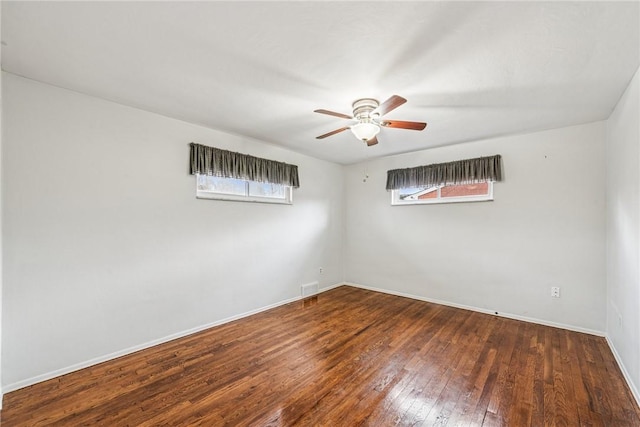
{"points": [[347, 357]]}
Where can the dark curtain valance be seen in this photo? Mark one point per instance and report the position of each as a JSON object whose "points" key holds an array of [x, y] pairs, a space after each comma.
{"points": [[214, 161], [467, 171]]}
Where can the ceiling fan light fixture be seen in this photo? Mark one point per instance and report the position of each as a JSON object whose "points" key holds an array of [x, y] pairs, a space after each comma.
{"points": [[365, 130]]}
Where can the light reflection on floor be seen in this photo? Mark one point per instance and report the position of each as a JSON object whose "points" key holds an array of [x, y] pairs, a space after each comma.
{"points": [[310, 301]]}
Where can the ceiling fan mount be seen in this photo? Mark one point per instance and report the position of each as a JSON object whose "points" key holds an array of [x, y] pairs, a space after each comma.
{"points": [[367, 113]]}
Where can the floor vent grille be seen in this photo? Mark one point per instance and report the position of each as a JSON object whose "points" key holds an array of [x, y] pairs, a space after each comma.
{"points": [[309, 289]]}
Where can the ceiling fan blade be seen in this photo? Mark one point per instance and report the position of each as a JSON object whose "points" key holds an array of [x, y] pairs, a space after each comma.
{"points": [[372, 141], [390, 104], [399, 124], [333, 113], [332, 133]]}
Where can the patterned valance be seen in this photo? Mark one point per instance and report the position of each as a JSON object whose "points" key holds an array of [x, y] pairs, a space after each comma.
{"points": [[214, 161], [467, 171]]}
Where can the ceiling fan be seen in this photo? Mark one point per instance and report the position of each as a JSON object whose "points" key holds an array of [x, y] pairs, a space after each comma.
{"points": [[368, 114]]}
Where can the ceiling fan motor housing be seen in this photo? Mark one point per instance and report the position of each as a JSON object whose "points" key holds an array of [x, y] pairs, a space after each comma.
{"points": [[362, 108]]}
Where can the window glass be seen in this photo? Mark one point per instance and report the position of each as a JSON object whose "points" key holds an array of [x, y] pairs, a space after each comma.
{"points": [[219, 188], [266, 189], [443, 194], [465, 190], [216, 184]]}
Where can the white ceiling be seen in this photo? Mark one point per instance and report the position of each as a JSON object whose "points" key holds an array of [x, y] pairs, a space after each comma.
{"points": [[472, 70]]}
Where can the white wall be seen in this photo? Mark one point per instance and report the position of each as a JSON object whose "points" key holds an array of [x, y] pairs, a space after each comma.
{"points": [[623, 232], [545, 228], [107, 248]]}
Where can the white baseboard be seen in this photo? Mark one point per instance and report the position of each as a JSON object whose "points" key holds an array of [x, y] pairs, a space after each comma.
{"points": [[483, 310], [86, 364], [625, 373], [328, 288]]}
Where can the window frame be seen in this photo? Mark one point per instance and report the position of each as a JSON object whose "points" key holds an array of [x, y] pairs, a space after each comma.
{"points": [[397, 201], [247, 197]]}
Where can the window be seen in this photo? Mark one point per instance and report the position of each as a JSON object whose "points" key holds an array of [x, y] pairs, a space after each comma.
{"points": [[468, 180], [481, 191], [215, 187]]}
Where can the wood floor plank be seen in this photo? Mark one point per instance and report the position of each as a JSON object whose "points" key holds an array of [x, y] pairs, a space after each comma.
{"points": [[347, 357]]}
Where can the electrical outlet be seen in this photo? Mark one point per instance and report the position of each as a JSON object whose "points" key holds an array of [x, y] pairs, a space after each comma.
{"points": [[320, 270], [555, 291]]}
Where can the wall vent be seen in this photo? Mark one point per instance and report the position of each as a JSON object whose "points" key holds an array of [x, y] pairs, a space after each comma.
{"points": [[309, 289]]}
